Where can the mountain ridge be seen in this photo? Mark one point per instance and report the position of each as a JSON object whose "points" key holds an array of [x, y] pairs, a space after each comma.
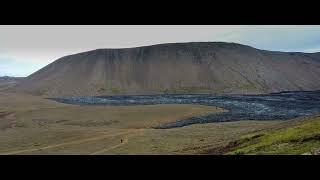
{"points": [[194, 67]]}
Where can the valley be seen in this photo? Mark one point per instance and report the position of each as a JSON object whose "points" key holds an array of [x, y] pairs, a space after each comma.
{"points": [[37, 125]]}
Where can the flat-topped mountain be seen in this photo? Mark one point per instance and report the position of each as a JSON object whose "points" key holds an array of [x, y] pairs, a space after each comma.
{"points": [[197, 67]]}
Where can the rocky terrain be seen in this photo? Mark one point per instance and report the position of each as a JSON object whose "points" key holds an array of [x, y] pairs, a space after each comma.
{"points": [[275, 106], [198, 67]]}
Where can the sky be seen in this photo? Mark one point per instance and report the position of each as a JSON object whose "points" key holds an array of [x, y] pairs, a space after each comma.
{"points": [[26, 49]]}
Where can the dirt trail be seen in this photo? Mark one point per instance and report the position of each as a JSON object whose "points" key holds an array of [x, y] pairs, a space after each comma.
{"points": [[68, 143], [125, 141]]}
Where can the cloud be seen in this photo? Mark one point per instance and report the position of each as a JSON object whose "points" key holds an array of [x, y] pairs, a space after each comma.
{"points": [[313, 49], [279, 38], [62, 37]]}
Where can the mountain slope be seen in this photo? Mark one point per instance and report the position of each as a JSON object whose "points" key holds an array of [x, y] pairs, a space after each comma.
{"points": [[199, 67]]}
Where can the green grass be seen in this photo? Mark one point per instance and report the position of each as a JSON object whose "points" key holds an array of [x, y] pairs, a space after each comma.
{"points": [[299, 139], [245, 86], [105, 88], [115, 90], [187, 90]]}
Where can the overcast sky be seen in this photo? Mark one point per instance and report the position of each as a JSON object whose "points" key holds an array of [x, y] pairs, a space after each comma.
{"points": [[26, 49]]}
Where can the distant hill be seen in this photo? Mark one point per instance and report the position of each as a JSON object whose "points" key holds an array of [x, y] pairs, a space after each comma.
{"points": [[197, 67], [8, 82], [9, 78]]}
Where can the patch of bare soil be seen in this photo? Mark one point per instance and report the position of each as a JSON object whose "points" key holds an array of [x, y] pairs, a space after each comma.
{"points": [[7, 120], [5, 114], [222, 150]]}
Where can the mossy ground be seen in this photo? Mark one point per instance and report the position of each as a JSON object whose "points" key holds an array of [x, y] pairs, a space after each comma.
{"points": [[301, 138], [187, 90]]}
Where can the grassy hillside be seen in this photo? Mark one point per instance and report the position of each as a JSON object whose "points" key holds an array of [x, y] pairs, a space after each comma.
{"points": [[301, 138]]}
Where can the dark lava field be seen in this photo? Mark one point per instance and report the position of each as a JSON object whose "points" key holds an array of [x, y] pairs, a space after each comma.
{"points": [[275, 106]]}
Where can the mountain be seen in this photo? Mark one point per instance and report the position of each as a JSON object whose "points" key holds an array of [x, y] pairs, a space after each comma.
{"points": [[196, 67]]}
